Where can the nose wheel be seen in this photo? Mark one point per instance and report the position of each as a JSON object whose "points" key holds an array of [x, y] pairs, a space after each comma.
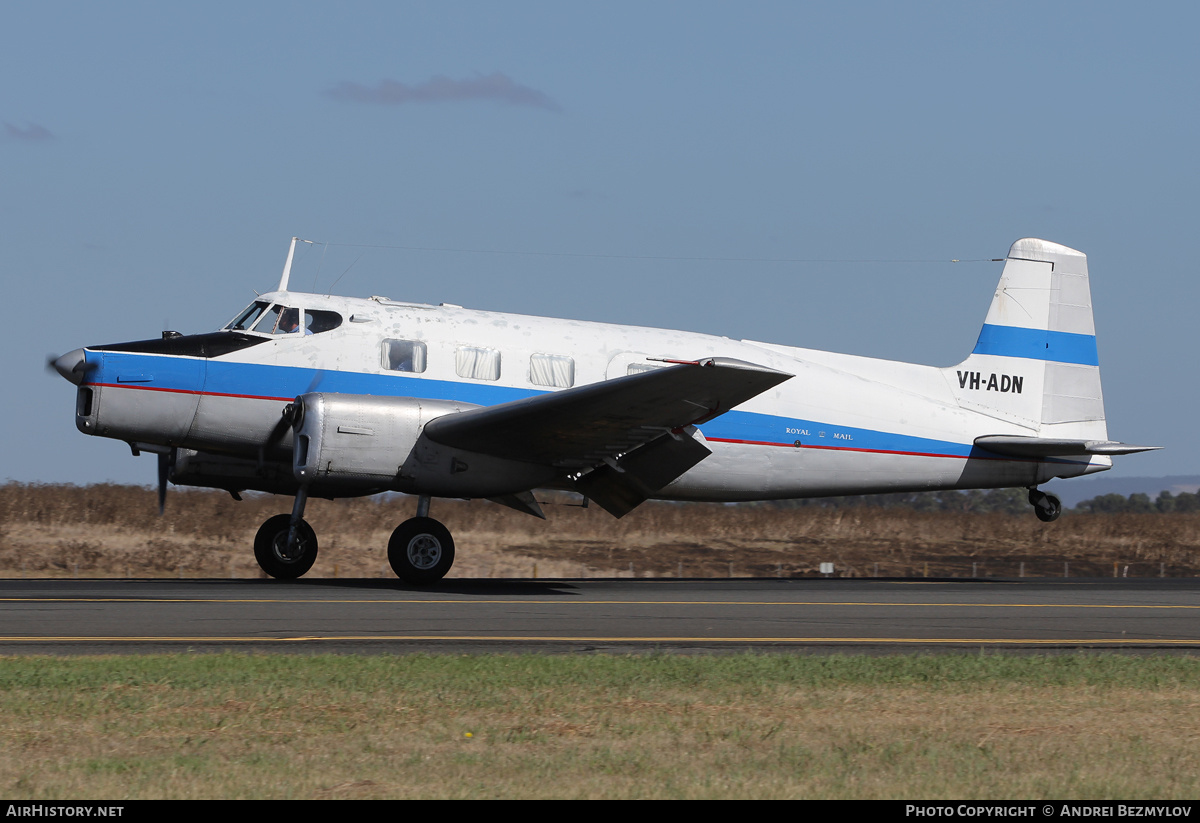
{"points": [[421, 551], [1047, 507]]}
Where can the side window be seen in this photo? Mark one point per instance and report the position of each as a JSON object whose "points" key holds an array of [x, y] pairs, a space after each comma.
{"points": [[638, 368], [476, 363], [318, 321], [404, 355], [552, 370]]}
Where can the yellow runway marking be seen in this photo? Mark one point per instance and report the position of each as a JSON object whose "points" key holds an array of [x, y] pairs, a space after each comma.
{"points": [[584, 639]]}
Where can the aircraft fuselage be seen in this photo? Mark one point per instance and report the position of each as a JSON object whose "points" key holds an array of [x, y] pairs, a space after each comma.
{"points": [[842, 424]]}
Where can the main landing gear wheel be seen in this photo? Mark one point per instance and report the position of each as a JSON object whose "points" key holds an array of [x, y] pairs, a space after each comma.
{"points": [[272, 552], [421, 550], [1047, 507]]}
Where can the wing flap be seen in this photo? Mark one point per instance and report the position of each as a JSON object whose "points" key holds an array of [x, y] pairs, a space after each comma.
{"points": [[579, 428], [1018, 446], [623, 485]]}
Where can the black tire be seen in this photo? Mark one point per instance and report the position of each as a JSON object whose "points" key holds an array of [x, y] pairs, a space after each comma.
{"points": [[270, 548], [1047, 507], [421, 551]]}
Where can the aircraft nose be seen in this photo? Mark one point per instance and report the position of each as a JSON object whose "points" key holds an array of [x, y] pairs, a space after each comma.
{"points": [[72, 366]]}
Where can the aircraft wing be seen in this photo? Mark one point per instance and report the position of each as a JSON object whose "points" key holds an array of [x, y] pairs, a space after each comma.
{"points": [[628, 431], [1018, 446], [578, 428]]}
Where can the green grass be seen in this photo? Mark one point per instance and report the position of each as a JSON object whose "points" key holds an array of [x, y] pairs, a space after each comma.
{"points": [[653, 726], [482, 678]]}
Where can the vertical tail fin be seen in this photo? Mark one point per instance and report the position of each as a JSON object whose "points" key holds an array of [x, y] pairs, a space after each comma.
{"points": [[1036, 363]]}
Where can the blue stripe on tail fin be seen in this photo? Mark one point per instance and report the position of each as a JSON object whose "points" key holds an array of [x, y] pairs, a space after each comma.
{"points": [[1038, 344]]}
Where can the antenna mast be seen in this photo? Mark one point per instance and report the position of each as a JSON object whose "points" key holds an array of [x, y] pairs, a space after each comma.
{"points": [[287, 267]]}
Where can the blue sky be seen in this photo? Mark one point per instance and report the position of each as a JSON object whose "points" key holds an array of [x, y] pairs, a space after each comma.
{"points": [[624, 162]]}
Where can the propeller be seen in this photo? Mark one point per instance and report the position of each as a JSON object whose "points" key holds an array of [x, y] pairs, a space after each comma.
{"points": [[317, 379], [166, 465], [292, 417]]}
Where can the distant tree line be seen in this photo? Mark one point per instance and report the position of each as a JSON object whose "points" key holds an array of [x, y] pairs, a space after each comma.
{"points": [[1141, 503], [1002, 501]]}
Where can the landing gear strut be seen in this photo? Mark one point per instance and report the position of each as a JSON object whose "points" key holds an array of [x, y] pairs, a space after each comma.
{"points": [[421, 549], [1047, 507]]}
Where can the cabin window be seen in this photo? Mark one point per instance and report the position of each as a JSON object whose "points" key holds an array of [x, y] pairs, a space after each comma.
{"points": [[404, 355], [477, 363], [552, 370], [638, 368]]}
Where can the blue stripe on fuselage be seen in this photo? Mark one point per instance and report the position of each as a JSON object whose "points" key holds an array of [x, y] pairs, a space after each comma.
{"points": [[286, 382], [772, 429], [1038, 344]]}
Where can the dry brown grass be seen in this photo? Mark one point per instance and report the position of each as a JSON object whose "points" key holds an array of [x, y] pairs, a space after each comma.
{"points": [[109, 530]]}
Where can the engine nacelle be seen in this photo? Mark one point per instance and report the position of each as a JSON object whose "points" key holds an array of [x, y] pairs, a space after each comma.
{"points": [[357, 441], [348, 444]]}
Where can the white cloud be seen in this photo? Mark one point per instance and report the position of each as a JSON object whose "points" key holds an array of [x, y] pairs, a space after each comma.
{"points": [[32, 131], [441, 89]]}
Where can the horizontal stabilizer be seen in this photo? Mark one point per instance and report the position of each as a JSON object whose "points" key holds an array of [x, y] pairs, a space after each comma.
{"points": [[579, 428], [1048, 447]]}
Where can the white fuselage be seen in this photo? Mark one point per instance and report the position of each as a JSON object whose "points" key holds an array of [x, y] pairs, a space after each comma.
{"points": [[842, 424]]}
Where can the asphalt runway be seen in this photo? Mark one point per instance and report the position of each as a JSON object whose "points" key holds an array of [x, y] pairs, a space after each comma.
{"points": [[588, 615]]}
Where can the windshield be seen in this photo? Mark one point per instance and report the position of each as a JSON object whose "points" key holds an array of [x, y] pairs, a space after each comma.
{"points": [[246, 319], [269, 324]]}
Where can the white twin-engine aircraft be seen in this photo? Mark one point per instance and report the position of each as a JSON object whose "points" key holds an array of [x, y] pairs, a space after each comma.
{"points": [[307, 394]]}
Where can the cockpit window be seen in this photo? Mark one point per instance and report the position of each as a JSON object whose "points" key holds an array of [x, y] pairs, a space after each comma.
{"points": [[270, 321], [246, 319], [265, 318]]}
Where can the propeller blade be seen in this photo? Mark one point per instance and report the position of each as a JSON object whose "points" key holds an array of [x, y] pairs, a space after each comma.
{"points": [[292, 414], [166, 462]]}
